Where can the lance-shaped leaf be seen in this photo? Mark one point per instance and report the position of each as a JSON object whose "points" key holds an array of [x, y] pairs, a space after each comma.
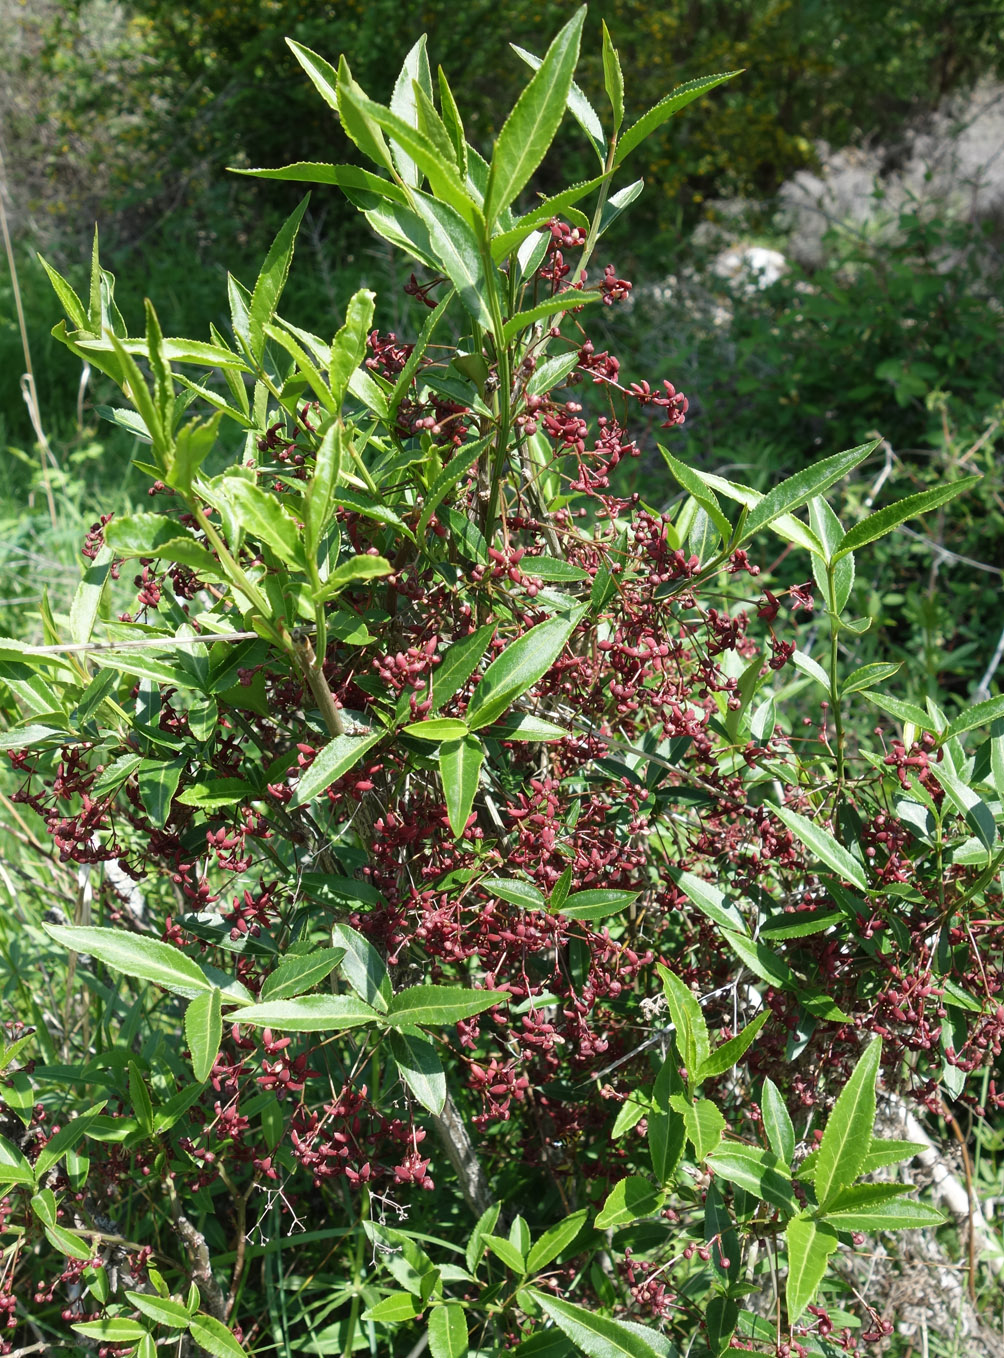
{"points": [[457, 252], [524, 894], [828, 528], [348, 349], [403, 102], [145, 959], [613, 79], [760, 1172], [309, 1014], [298, 973], [353, 179], [709, 900], [434, 1005], [879, 1207], [420, 1067], [703, 1121], [980, 714], [335, 759], [204, 1032], [578, 106], [598, 1336], [596, 903], [460, 770], [272, 279], [885, 520], [723, 1058], [848, 1135], [261, 515], [688, 1019], [535, 118], [665, 108], [363, 967], [451, 476], [214, 1337], [629, 1200], [356, 571], [777, 1122], [554, 1240], [518, 668], [448, 1331], [810, 1244], [824, 846], [801, 487]]}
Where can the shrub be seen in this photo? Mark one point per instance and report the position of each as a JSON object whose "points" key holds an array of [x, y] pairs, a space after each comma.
{"points": [[431, 776]]}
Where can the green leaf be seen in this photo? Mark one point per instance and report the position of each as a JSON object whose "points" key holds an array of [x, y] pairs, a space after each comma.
{"points": [[704, 1124], [803, 486], [761, 960], [555, 1240], [420, 1067], [665, 108], [261, 514], [709, 900], [521, 726], [723, 1058], [448, 1331], [905, 712], [296, 974], [327, 471], [522, 663], [863, 1208], [598, 1336], [448, 478], [666, 1127], [810, 1244], [760, 1172], [688, 1020], [433, 1005], [363, 967], [980, 714], [309, 1014], [884, 520], [352, 178], [161, 1310], [145, 959], [829, 530], [68, 1242], [777, 1122], [867, 676], [458, 254], [352, 572], [563, 302], [483, 1227], [578, 106], [158, 780], [69, 300], [720, 1318], [460, 770], [332, 762], [458, 664], [848, 1134], [824, 846], [87, 596], [597, 903], [977, 814], [69, 1136], [523, 894], [44, 1206], [437, 729], [348, 349], [403, 102], [535, 118], [890, 1152], [629, 1200], [213, 1336], [204, 1032], [14, 1168], [695, 486], [112, 1330], [272, 279], [399, 1306], [613, 79], [506, 1251]]}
